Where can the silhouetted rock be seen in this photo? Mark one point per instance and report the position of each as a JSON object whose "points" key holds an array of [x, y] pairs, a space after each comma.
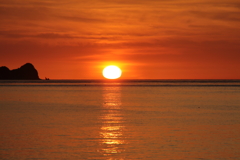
{"points": [[4, 73], [25, 72]]}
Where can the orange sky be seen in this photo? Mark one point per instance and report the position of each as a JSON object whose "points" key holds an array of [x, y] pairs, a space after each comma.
{"points": [[149, 39]]}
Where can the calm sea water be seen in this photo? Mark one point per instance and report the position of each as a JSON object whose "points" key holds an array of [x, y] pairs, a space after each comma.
{"points": [[120, 120]]}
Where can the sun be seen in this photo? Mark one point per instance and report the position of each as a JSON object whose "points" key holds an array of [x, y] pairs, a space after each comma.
{"points": [[112, 72]]}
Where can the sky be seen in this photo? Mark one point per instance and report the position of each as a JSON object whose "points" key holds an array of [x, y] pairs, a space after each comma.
{"points": [[147, 39]]}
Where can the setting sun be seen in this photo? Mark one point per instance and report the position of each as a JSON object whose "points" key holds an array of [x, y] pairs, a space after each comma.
{"points": [[112, 72]]}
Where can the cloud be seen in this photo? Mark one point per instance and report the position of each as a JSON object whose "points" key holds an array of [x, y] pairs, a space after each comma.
{"points": [[221, 16], [82, 19], [23, 13]]}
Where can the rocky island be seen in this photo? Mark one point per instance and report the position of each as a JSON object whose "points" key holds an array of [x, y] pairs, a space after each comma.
{"points": [[25, 72]]}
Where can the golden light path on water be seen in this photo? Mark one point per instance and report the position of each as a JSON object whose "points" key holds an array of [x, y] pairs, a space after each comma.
{"points": [[111, 132]]}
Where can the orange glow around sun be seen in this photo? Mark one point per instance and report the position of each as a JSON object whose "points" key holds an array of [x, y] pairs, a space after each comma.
{"points": [[112, 72]]}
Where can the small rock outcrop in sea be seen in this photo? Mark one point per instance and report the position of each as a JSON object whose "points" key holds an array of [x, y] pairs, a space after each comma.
{"points": [[25, 72]]}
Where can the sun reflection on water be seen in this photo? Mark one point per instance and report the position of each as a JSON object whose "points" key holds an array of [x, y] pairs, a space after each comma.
{"points": [[111, 132]]}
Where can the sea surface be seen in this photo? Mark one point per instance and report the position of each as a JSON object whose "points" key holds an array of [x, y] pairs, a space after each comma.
{"points": [[120, 120]]}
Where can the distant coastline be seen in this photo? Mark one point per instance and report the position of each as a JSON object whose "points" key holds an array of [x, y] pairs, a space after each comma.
{"points": [[25, 72], [122, 83]]}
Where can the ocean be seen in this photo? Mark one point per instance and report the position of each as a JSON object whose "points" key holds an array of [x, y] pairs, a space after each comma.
{"points": [[120, 120]]}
